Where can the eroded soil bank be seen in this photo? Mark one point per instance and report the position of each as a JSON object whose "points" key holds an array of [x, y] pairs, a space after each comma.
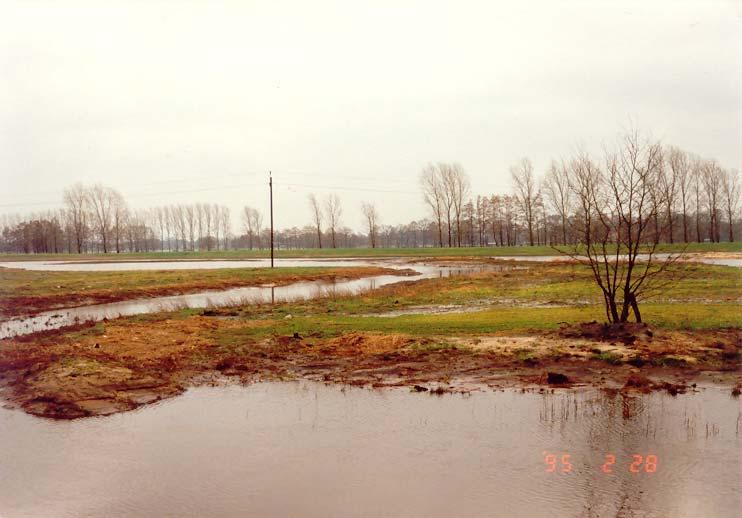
{"points": [[117, 366]]}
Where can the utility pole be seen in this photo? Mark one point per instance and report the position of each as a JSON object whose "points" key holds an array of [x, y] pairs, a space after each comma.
{"points": [[270, 186]]}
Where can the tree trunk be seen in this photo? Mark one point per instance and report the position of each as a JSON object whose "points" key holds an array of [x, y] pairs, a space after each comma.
{"points": [[635, 307], [669, 224], [698, 226], [685, 226], [731, 227], [530, 231]]}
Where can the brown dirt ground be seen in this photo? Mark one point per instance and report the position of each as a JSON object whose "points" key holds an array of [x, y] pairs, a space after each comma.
{"points": [[69, 375]]}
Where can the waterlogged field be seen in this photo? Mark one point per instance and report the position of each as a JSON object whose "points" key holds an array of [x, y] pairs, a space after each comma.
{"points": [[492, 324], [28, 291], [454, 386]]}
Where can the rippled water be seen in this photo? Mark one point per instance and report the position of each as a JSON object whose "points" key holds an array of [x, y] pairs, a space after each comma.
{"points": [[236, 296], [306, 449]]}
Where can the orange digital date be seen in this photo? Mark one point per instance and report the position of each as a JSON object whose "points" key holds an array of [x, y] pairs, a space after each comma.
{"points": [[639, 464]]}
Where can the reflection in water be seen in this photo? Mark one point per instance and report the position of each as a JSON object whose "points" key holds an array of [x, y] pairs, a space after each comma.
{"points": [[306, 449]]}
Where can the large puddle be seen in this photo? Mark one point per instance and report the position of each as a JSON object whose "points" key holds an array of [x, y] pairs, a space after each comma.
{"points": [[306, 449], [231, 297]]}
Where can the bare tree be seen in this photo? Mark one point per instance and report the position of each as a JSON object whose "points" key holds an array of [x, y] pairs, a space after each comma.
{"points": [[558, 194], [433, 194], [178, 213], [208, 223], [371, 215], [615, 211], [75, 200], [224, 223], [711, 175], [101, 201], [252, 222], [168, 221], [334, 210], [199, 212], [217, 218], [316, 217], [526, 192], [456, 189], [160, 220], [697, 182], [680, 166], [731, 189], [668, 185], [190, 217], [120, 212]]}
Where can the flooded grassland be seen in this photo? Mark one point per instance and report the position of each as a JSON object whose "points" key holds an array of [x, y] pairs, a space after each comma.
{"points": [[484, 328], [27, 288]]}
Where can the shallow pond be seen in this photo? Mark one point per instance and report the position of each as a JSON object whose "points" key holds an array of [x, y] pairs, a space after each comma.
{"points": [[307, 449]]}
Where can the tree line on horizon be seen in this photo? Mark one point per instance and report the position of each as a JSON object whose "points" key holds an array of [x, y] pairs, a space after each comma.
{"points": [[686, 199]]}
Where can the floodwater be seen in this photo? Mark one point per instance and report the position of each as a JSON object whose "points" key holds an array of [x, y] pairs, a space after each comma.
{"points": [[231, 297], [183, 264], [721, 261], [307, 449]]}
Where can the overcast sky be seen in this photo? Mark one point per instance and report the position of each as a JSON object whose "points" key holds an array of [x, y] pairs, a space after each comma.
{"points": [[176, 102]]}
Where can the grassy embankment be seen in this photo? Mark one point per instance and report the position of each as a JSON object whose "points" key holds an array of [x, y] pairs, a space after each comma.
{"points": [[25, 291], [353, 252]]}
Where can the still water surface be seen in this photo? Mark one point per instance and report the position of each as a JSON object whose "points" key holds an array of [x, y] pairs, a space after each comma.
{"points": [[306, 449]]}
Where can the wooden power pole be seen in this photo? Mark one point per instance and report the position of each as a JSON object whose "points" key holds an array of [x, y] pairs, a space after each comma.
{"points": [[270, 186]]}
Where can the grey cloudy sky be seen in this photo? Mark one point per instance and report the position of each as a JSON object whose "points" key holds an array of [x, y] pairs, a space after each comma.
{"points": [[175, 102]]}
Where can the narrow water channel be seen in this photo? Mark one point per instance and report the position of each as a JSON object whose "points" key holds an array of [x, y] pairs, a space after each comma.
{"points": [[231, 297], [306, 449]]}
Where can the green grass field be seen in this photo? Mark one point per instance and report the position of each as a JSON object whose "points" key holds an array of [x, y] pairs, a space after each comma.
{"points": [[706, 297]]}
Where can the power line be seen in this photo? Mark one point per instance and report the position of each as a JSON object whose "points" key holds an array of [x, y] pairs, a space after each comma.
{"points": [[223, 187], [368, 189]]}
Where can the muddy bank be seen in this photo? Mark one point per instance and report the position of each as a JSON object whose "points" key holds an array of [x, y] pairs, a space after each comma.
{"points": [[118, 366], [64, 297]]}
